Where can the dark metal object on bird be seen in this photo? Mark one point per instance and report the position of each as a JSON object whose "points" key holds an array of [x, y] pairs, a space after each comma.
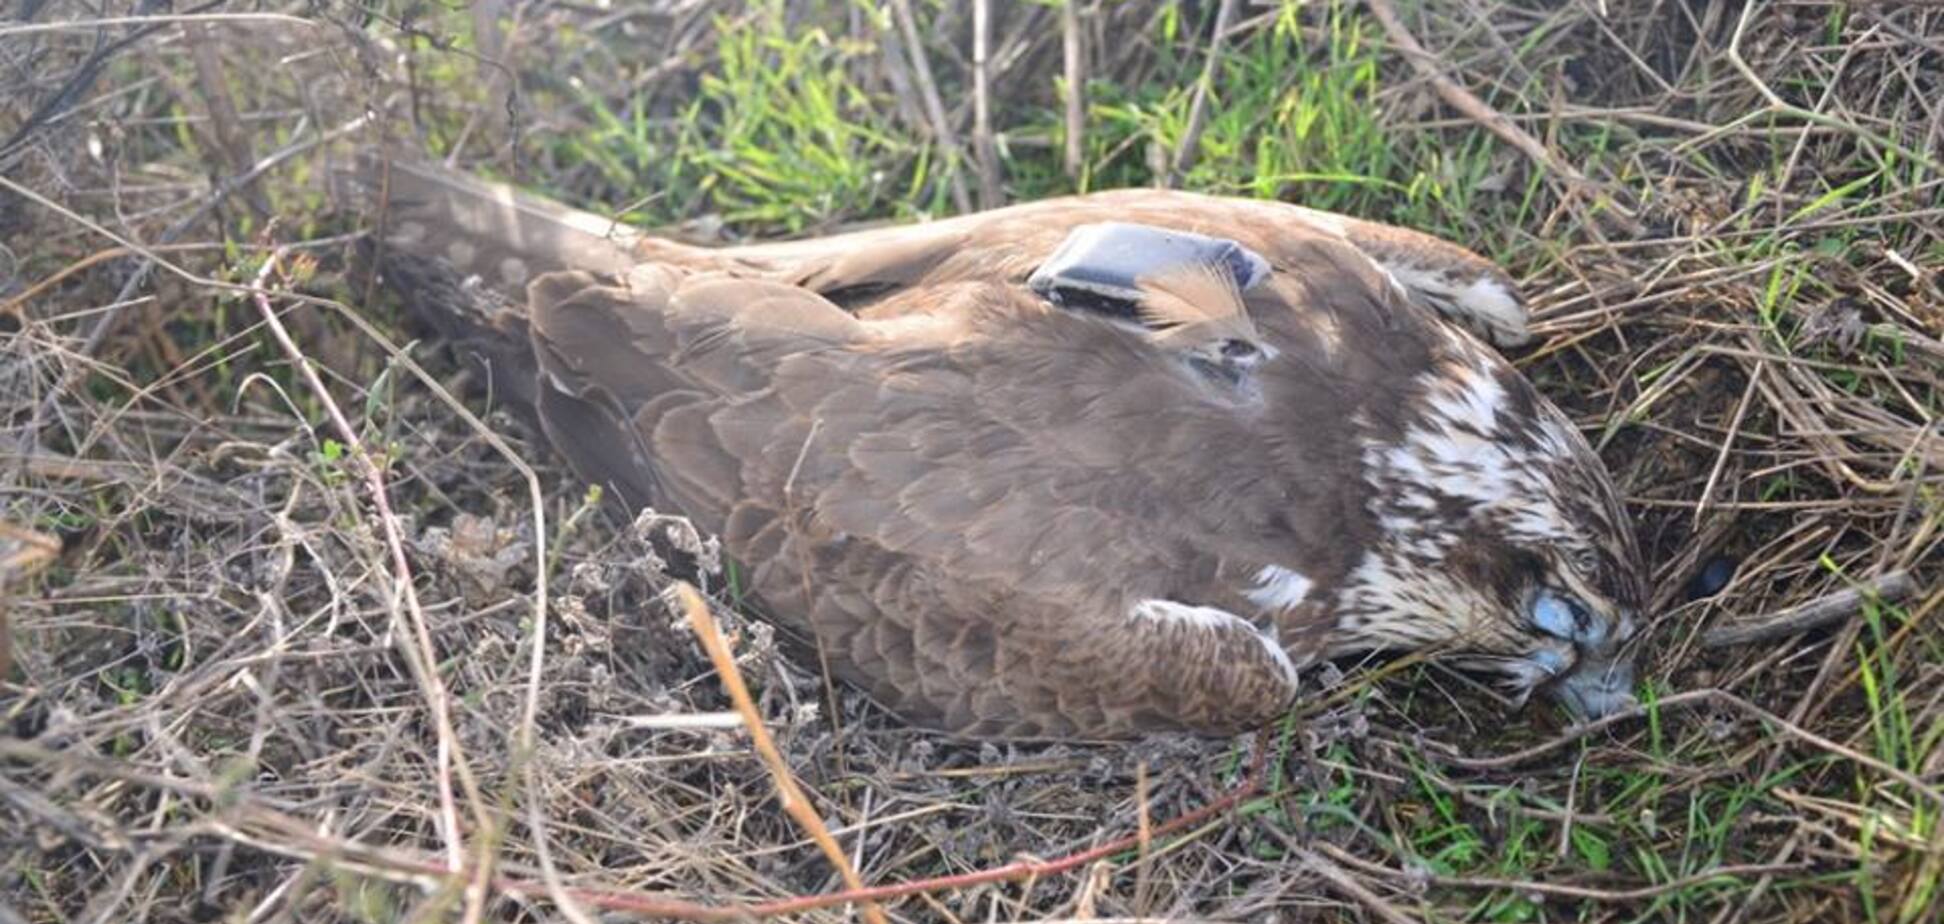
{"points": [[1107, 262], [1002, 516]]}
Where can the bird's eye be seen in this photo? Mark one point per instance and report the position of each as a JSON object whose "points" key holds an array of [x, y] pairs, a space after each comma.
{"points": [[1586, 561], [1555, 615]]}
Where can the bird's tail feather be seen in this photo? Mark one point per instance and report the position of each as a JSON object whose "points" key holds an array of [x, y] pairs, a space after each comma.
{"points": [[459, 251], [500, 233]]}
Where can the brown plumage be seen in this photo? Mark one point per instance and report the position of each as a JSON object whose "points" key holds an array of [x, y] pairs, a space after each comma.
{"points": [[1004, 515], [1197, 307]]}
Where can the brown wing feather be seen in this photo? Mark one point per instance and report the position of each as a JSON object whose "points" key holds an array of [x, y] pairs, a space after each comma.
{"points": [[950, 539], [1193, 294]]}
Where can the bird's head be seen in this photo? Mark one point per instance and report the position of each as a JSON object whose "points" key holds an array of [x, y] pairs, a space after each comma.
{"points": [[1500, 539]]}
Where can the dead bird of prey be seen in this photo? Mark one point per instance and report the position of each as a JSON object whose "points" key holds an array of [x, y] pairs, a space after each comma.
{"points": [[1088, 467]]}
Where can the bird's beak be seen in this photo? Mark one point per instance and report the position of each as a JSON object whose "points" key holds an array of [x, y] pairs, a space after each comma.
{"points": [[1596, 687]]}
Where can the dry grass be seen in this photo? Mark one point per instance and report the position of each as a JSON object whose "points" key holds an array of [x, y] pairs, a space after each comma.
{"points": [[242, 694]]}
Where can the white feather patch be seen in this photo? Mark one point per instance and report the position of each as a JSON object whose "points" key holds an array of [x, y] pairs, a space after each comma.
{"points": [[1457, 448], [1473, 399], [1205, 617], [1488, 299], [1484, 303], [1278, 588], [1454, 451]]}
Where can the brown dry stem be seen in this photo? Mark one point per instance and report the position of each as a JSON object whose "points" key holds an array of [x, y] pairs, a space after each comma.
{"points": [[788, 792]]}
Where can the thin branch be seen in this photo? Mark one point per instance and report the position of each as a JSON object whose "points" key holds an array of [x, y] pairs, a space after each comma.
{"points": [[1814, 614], [987, 159], [1706, 501], [1075, 61], [1033, 869], [1184, 156], [1465, 101], [424, 659], [795, 803], [934, 109], [74, 25], [264, 828], [1694, 698], [23, 553], [1347, 884]]}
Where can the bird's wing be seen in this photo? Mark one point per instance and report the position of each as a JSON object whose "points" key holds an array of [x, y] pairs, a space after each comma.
{"points": [[1452, 281], [966, 519], [508, 237]]}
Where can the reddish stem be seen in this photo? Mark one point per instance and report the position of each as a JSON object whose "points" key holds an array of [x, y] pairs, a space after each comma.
{"points": [[617, 900]]}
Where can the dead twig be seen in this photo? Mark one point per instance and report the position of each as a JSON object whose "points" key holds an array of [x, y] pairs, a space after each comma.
{"points": [[1143, 838], [1074, 62], [941, 124], [1693, 698], [156, 21], [795, 803], [268, 829], [987, 153], [1034, 869], [423, 658], [1706, 500], [1184, 156], [1341, 880], [1467, 102], [17, 304], [1814, 614]]}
